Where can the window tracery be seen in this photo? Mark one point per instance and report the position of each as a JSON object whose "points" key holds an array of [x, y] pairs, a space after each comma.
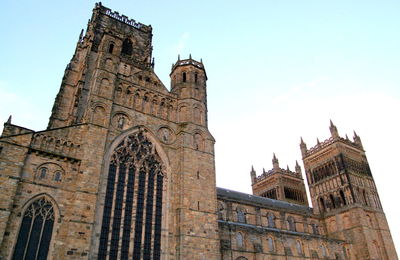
{"points": [[133, 210], [35, 232]]}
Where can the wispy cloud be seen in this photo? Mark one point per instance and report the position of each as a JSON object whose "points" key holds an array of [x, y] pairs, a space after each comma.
{"points": [[182, 43]]}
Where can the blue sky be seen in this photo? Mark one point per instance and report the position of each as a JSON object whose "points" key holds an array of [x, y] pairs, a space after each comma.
{"points": [[277, 70]]}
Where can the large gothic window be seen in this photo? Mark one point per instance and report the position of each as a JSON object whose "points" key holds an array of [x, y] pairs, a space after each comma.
{"points": [[35, 232], [131, 227]]}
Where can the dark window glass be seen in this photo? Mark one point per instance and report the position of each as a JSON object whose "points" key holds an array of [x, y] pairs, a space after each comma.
{"points": [[35, 232], [184, 76], [136, 212], [127, 47], [111, 48]]}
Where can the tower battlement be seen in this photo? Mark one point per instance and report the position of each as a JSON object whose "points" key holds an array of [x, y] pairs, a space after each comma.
{"points": [[335, 138], [122, 18], [186, 62]]}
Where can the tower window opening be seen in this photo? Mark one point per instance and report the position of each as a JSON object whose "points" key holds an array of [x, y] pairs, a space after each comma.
{"points": [[184, 77], [111, 48], [332, 201], [57, 176], [195, 78], [127, 47], [43, 173], [343, 197]]}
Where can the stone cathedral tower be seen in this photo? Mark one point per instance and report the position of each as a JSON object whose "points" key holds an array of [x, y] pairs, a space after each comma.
{"points": [[125, 170], [343, 192], [123, 167]]}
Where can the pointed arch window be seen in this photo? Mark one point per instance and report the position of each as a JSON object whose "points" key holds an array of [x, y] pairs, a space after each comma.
{"points": [[35, 233], [132, 211]]}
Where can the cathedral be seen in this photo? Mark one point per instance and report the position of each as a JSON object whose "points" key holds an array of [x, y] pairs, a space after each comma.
{"points": [[126, 170]]}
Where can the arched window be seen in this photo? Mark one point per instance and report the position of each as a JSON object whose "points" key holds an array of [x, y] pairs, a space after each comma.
{"points": [[239, 239], [291, 223], [324, 251], [195, 77], [299, 247], [343, 197], [184, 77], [135, 191], [127, 47], [322, 204], [332, 200], [57, 176], [271, 245], [315, 229], [271, 220], [35, 232], [241, 217], [111, 48], [43, 173]]}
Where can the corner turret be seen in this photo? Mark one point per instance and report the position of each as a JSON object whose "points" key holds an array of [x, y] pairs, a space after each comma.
{"points": [[188, 81]]}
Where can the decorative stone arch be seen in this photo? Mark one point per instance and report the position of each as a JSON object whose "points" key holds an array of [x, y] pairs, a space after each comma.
{"points": [[109, 64], [271, 220], [184, 112], [198, 114], [240, 241], [291, 223], [127, 46], [51, 167], [98, 115], [22, 212], [166, 189], [146, 103], [241, 258], [198, 140], [241, 214], [109, 46], [271, 244], [120, 120], [221, 209]]}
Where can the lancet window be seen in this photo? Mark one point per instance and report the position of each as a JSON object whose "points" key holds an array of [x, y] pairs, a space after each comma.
{"points": [[35, 232], [131, 226]]}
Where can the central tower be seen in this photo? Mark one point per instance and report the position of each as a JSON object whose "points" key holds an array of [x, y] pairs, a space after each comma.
{"points": [[144, 155]]}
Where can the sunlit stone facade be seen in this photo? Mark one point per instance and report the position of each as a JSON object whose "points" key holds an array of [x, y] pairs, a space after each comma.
{"points": [[125, 170]]}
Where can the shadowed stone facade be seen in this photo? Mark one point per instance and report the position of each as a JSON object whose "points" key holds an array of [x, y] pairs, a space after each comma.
{"points": [[126, 170]]}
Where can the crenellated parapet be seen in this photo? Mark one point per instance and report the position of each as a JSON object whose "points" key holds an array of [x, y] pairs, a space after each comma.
{"points": [[279, 183], [335, 138], [122, 18], [187, 62]]}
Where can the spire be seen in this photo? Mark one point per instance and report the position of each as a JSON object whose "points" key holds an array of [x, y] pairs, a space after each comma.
{"points": [[333, 129], [179, 57], [201, 60], [318, 142], [287, 167], [297, 168], [275, 162], [264, 170], [9, 119], [81, 36], [357, 140], [190, 56], [303, 147], [347, 138], [253, 175]]}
